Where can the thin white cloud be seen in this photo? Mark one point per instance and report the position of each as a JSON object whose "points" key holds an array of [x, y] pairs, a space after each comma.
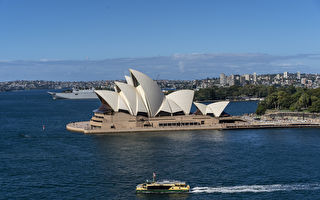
{"points": [[177, 66], [181, 66]]}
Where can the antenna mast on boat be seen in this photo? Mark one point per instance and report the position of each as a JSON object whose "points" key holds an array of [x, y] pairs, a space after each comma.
{"points": [[154, 177]]}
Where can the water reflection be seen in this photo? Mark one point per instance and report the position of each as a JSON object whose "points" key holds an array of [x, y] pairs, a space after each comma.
{"points": [[209, 135]]}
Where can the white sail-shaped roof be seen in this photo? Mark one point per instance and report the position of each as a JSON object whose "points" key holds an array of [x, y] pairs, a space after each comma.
{"points": [[153, 95], [128, 93], [169, 106], [217, 108], [129, 80], [132, 98], [201, 107], [122, 105], [143, 95], [165, 107], [140, 91], [141, 107], [110, 97], [183, 98], [174, 107]]}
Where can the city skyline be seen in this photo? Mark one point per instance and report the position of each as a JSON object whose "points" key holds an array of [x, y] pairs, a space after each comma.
{"points": [[175, 67], [285, 79]]}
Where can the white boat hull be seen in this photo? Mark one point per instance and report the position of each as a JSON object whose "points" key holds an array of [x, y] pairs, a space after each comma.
{"points": [[74, 95]]}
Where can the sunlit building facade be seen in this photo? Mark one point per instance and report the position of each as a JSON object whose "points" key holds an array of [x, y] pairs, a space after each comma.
{"points": [[140, 103]]}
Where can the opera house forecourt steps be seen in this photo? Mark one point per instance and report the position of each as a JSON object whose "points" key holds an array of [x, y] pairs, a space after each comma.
{"points": [[139, 105]]}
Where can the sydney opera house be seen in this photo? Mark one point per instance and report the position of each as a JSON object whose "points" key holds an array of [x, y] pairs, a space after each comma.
{"points": [[139, 104]]}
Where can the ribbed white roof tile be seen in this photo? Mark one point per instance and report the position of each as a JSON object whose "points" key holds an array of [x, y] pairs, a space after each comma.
{"points": [[110, 97], [122, 105], [183, 98], [217, 108], [129, 80], [141, 107], [174, 107], [202, 107], [165, 107], [140, 92], [128, 93], [152, 92]]}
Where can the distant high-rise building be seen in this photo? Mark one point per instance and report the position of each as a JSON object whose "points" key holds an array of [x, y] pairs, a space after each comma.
{"points": [[231, 80], [278, 76], [303, 81], [298, 75], [255, 77], [285, 74], [223, 79], [242, 80], [247, 77]]}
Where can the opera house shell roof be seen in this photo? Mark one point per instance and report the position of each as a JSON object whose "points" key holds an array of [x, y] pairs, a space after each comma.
{"points": [[141, 95]]}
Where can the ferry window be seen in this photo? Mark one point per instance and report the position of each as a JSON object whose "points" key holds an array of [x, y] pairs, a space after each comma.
{"points": [[202, 122], [178, 124]]}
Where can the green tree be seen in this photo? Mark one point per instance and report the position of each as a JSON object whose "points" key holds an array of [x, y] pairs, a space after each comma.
{"points": [[304, 100], [284, 100], [315, 107], [262, 107], [272, 101]]}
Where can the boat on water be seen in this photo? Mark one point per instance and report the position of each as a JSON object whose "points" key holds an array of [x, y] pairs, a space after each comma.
{"points": [[165, 186], [74, 94]]}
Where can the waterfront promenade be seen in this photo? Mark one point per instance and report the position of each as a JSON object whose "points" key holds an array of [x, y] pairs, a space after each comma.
{"points": [[250, 123]]}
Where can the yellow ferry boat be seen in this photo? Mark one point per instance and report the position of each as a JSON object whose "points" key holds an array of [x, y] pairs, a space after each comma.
{"points": [[162, 187]]}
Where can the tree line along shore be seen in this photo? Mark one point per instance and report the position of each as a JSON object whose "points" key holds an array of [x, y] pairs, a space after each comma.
{"points": [[275, 98]]}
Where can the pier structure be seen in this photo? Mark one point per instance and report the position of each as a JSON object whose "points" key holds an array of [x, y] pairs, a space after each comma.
{"points": [[86, 128]]}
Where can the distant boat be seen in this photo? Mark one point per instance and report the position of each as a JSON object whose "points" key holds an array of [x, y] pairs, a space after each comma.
{"points": [[75, 94], [162, 186]]}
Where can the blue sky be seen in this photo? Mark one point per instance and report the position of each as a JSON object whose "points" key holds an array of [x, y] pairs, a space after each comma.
{"points": [[41, 30]]}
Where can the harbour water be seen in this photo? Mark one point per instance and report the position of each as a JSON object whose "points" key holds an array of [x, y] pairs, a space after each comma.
{"points": [[41, 160]]}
